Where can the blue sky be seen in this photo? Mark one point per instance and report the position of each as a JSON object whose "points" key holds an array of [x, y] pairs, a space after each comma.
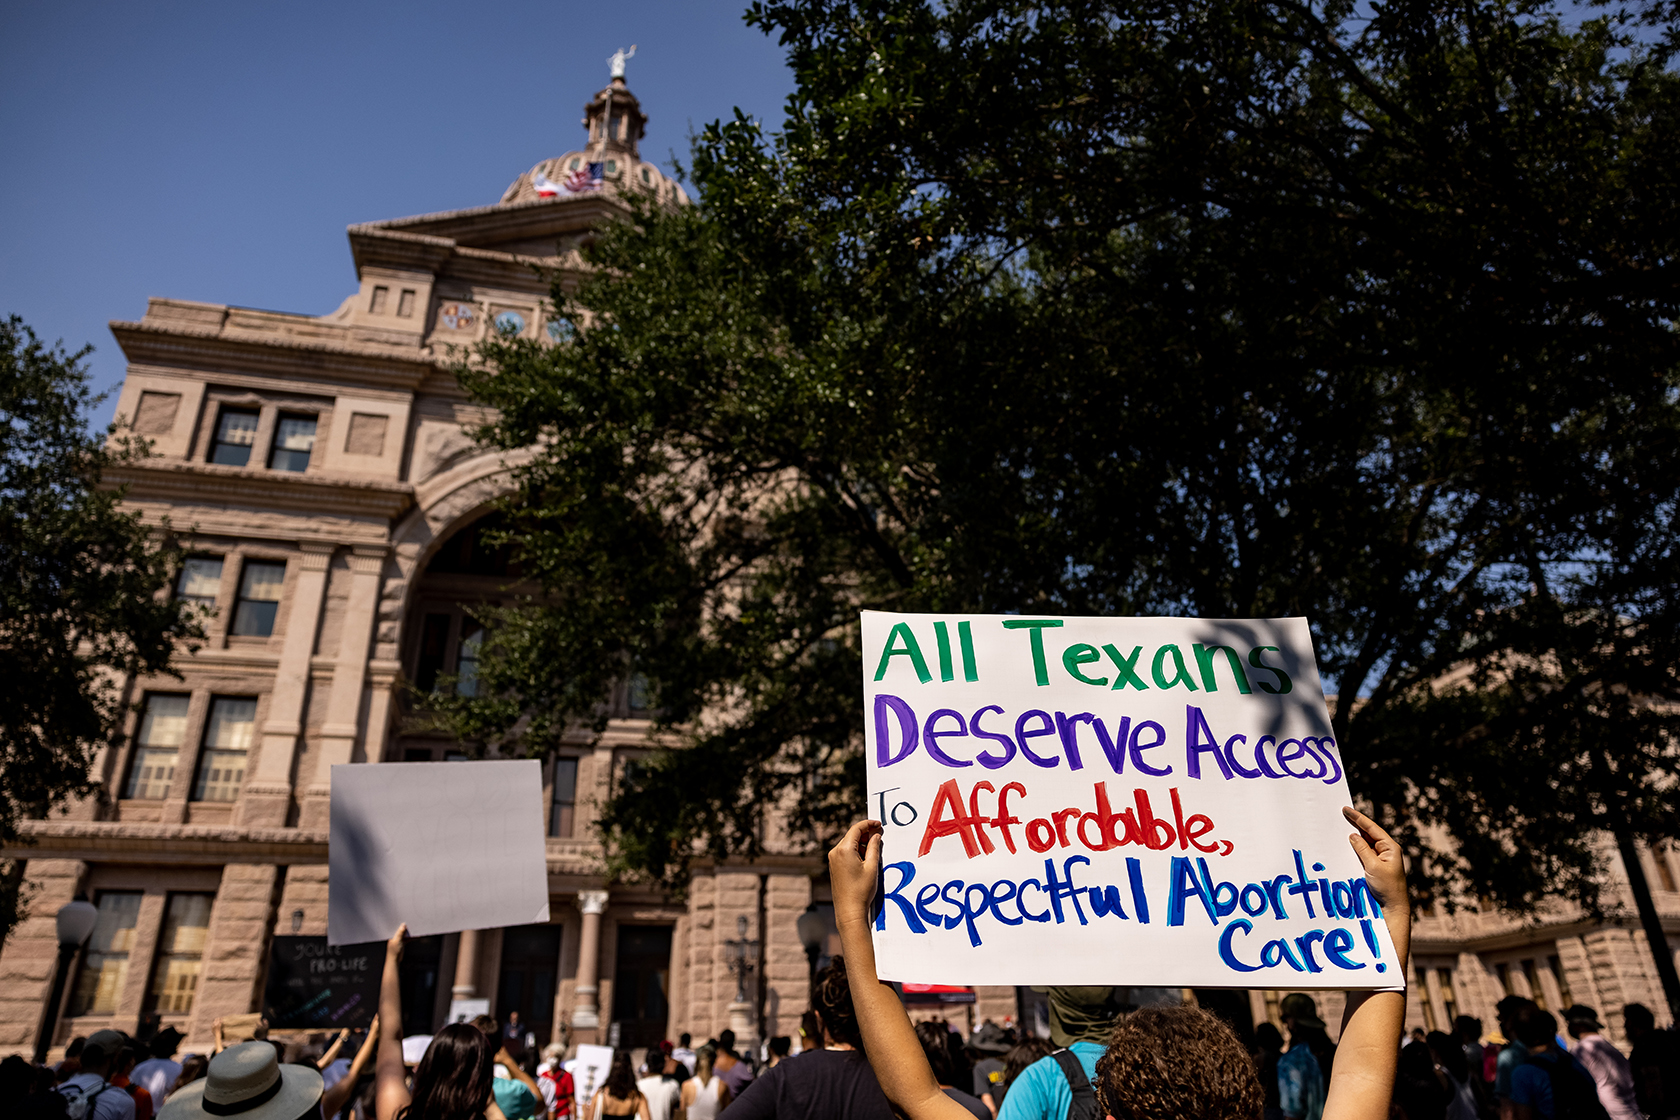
{"points": [[217, 151]]}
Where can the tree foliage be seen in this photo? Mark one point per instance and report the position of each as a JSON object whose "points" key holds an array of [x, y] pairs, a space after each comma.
{"points": [[79, 584], [1362, 313]]}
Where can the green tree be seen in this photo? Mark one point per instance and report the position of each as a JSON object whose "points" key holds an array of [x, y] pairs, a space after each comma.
{"points": [[79, 590], [1359, 313]]}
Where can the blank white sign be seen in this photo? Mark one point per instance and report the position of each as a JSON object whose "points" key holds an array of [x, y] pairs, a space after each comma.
{"points": [[442, 846]]}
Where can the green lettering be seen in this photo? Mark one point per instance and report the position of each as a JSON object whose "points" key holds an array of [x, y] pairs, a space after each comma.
{"points": [[910, 650], [1075, 656], [1037, 626], [1285, 684], [1127, 667], [1204, 662], [965, 639], [942, 635], [1181, 675]]}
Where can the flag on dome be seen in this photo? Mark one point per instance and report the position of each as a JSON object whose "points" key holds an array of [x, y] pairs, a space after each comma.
{"points": [[586, 178]]}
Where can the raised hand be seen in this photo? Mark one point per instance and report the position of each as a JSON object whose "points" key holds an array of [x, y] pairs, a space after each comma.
{"points": [[854, 864]]}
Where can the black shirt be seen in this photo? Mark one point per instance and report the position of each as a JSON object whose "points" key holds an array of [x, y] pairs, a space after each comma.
{"points": [[820, 1085], [970, 1102]]}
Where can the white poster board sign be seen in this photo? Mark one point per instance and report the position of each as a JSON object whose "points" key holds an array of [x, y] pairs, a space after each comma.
{"points": [[442, 846], [1130, 801], [590, 1070]]}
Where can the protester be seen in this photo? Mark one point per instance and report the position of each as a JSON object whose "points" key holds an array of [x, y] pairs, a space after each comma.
{"points": [[619, 1096], [159, 1071], [193, 1067], [1611, 1072], [810, 1033], [1080, 1021], [1467, 1094], [1268, 1041], [1302, 1083], [339, 1079], [1021, 1058], [1420, 1091], [684, 1052], [1160, 1062], [1656, 1063], [454, 1078], [661, 1094], [555, 1082], [778, 1049], [127, 1058], [1549, 1084], [1468, 1031], [730, 1066], [933, 1037], [71, 1063], [704, 1095], [247, 1080], [834, 1083], [989, 1045], [513, 1037], [89, 1094]]}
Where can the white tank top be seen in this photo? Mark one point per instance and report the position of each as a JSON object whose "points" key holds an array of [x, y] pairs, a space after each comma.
{"points": [[705, 1106]]}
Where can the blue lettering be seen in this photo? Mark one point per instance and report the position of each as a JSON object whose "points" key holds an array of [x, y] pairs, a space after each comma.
{"points": [[1226, 953], [1021, 902], [1336, 945], [999, 899], [1138, 747], [1182, 884], [907, 872]]}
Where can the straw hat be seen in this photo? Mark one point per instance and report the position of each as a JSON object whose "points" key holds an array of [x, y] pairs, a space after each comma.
{"points": [[249, 1082]]}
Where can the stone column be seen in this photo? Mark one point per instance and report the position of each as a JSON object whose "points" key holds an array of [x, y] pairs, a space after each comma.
{"points": [[266, 798], [235, 948], [344, 704], [29, 957], [586, 1013], [466, 966]]}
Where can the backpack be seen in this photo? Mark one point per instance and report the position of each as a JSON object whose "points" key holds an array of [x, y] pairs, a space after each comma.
{"points": [[1084, 1103], [1574, 1093], [78, 1105]]}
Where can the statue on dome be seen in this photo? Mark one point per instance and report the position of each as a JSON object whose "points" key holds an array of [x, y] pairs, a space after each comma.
{"points": [[618, 58]]}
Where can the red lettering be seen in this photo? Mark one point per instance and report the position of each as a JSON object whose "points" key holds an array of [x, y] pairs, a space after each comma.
{"points": [[1060, 816], [1040, 835], [986, 844], [1003, 820], [947, 817], [1150, 827]]}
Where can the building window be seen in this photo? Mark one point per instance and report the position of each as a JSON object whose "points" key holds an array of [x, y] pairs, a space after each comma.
{"points": [[380, 292], [1563, 985], [294, 439], [259, 598], [236, 433], [1427, 1006], [638, 693], [1449, 1001], [466, 663], [221, 765], [565, 797], [1535, 991], [434, 643], [417, 754], [1665, 873], [405, 304], [105, 968], [201, 580], [157, 748], [180, 952]]}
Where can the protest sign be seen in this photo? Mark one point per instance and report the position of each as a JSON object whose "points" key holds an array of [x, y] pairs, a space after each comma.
{"points": [[589, 1069], [444, 847], [313, 985], [1129, 801]]}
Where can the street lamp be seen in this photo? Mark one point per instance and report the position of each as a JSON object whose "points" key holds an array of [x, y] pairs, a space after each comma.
{"points": [[813, 934], [76, 920], [741, 952]]}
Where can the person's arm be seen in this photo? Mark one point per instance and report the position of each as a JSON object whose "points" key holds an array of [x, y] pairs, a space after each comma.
{"points": [[331, 1055], [335, 1098], [390, 1086], [524, 1079], [1366, 1057], [724, 1095], [642, 1107], [888, 1038], [220, 1045]]}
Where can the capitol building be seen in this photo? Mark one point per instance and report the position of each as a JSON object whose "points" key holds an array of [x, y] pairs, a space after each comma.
{"points": [[319, 473]]}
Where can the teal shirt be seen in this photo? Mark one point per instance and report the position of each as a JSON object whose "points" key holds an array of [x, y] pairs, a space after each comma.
{"points": [[513, 1098], [1042, 1092]]}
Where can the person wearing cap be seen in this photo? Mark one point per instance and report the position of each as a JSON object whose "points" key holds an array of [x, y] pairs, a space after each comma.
{"points": [[1513, 1054], [158, 1072], [103, 1101], [1610, 1071], [990, 1044], [1301, 1085], [1080, 1021], [247, 1082]]}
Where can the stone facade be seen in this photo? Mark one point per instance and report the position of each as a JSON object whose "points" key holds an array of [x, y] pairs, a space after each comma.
{"points": [[320, 474]]}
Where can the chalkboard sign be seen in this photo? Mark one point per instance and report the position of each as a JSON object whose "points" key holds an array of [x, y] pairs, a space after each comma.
{"points": [[314, 986]]}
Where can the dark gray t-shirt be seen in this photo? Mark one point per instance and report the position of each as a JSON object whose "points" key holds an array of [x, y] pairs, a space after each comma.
{"points": [[972, 1103], [821, 1085]]}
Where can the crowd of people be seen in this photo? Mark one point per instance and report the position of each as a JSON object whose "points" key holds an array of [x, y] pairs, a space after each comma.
{"points": [[859, 1057]]}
